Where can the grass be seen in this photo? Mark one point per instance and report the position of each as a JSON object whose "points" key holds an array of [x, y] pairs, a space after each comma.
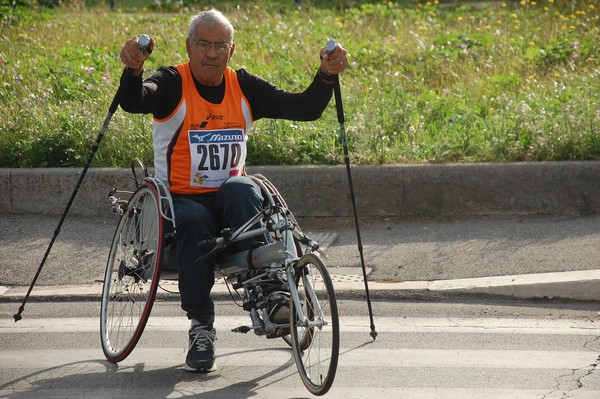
{"points": [[428, 81]]}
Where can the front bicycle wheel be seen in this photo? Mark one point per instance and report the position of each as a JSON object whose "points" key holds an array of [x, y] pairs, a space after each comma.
{"points": [[315, 335], [132, 274]]}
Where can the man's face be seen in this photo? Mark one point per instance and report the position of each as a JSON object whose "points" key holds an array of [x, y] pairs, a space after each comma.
{"points": [[208, 65]]}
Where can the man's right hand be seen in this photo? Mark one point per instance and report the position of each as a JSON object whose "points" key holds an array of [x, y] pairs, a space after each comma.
{"points": [[133, 57]]}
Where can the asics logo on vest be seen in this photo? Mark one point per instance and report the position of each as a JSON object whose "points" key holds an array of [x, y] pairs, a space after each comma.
{"points": [[213, 116]]}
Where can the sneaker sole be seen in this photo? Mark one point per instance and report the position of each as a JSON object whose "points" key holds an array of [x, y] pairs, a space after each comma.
{"points": [[200, 370]]}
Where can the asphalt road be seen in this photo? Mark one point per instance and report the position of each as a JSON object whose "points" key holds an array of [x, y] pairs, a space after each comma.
{"points": [[423, 350], [394, 249]]}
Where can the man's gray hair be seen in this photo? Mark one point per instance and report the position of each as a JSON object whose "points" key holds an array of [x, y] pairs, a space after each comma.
{"points": [[213, 18]]}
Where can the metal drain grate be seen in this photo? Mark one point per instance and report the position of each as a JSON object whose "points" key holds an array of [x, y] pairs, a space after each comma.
{"points": [[324, 239]]}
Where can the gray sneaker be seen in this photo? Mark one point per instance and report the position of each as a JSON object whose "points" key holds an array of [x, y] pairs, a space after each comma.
{"points": [[201, 353]]}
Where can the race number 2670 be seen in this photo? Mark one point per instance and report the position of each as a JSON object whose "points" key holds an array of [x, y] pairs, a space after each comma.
{"points": [[219, 156]]}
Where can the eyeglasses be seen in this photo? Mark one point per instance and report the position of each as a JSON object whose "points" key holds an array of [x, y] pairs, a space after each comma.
{"points": [[203, 46]]}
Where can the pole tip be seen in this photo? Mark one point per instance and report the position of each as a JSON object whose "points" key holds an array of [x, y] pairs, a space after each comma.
{"points": [[373, 334], [17, 316]]}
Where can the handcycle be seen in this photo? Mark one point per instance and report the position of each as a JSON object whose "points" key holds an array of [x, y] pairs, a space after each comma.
{"points": [[288, 263]]}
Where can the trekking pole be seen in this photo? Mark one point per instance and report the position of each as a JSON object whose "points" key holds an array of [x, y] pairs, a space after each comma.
{"points": [[330, 47], [143, 43]]}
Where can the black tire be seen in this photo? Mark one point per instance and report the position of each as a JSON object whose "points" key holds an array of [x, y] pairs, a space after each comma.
{"points": [[315, 346], [132, 274]]}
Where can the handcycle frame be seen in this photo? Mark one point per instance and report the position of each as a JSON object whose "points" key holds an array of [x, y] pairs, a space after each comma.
{"points": [[139, 253]]}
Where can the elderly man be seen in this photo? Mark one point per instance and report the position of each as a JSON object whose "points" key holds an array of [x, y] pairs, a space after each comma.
{"points": [[194, 105]]}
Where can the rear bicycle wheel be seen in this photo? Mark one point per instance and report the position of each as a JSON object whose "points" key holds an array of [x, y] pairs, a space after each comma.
{"points": [[132, 274], [316, 338]]}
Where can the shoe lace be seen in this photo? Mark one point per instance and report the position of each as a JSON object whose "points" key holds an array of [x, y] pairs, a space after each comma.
{"points": [[203, 339]]}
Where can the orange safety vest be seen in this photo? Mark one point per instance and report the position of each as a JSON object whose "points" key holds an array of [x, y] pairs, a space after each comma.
{"points": [[200, 145]]}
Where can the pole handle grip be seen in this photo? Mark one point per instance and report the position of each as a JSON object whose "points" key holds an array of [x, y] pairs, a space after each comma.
{"points": [[330, 46]]}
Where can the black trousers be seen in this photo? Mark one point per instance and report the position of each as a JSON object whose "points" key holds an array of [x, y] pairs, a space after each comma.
{"points": [[200, 217]]}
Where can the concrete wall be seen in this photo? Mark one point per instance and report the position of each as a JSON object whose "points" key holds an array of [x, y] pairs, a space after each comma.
{"points": [[556, 188]]}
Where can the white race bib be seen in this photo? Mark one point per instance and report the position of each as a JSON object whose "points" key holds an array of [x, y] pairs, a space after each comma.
{"points": [[216, 155]]}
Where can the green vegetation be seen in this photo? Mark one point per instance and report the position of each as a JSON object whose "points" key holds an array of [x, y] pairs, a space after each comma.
{"points": [[428, 81]]}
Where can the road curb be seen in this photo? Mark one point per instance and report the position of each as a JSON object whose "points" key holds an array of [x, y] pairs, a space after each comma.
{"points": [[578, 285]]}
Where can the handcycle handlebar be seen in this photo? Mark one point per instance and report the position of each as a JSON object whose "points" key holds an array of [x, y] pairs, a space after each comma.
{"points": [[219, 243], [256, 258]]}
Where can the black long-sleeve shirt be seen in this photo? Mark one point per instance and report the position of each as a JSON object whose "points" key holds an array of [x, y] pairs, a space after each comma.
{"points": [[161, 92]]}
